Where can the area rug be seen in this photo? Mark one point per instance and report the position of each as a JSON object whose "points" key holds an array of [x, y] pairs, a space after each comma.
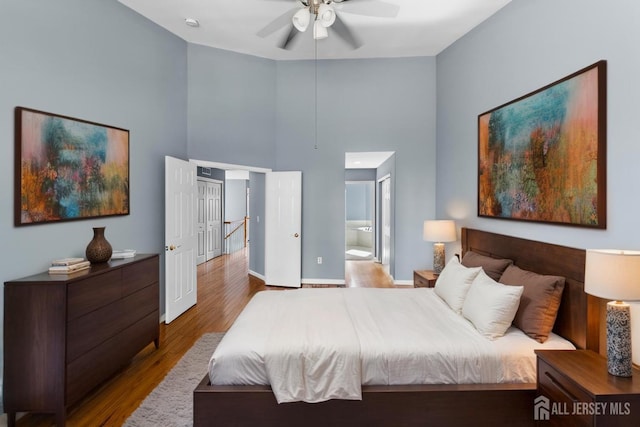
{"points": [[170, 404]]}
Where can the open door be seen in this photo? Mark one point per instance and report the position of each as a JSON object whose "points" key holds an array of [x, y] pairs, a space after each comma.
{"points": [[385, 222], [283, 224], [180, 237]]}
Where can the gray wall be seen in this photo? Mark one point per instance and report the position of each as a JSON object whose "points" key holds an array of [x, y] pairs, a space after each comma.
{"points": [[359, 174], [359, 201], [235, 199], [232, 119], [509, 56], [399, 115], [95, 60], [231, 107]]}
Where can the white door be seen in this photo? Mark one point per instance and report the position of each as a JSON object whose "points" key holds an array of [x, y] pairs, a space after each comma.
{"points": [[385, 213], [202, 222], [214, 219], [283, 221], [180, 237]]}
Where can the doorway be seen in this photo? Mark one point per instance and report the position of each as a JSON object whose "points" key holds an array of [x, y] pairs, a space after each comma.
{"points": [[360, 220], [369, 212]]}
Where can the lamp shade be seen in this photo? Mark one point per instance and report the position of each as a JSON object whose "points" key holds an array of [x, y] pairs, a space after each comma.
{"points": [[319, 31], [326, 15], [612, 274], [443, 230], [301, 19]]}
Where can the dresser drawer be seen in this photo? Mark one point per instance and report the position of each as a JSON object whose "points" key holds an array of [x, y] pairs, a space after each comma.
{"points": [[140, 334], [139, 275], [565, 392], [140, 304], [92, 329], [87, 295], [93, 367]]}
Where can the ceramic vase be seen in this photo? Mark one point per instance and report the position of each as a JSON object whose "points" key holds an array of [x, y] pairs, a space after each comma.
{"points": [[98, 250]]}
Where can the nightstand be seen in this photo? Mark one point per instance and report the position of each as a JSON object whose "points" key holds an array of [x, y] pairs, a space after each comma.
{"points": [[580, 392], [424, 278]]}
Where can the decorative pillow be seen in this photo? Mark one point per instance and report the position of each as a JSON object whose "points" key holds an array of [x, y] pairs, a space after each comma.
{"points": [[539, 302], [453, 283], [491, 306], [494, 267]]}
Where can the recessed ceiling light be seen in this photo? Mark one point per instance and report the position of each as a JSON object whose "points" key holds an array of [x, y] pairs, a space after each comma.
{"points": [[192, 22]]}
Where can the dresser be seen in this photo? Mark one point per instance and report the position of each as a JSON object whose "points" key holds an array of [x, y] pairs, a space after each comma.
{"points": [[65, 334], [575, 389]]}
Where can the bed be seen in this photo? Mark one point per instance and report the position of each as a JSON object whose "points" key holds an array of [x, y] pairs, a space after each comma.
{"points": [[391, 398]]}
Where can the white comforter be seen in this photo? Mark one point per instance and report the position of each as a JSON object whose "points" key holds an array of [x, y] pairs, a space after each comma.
{"points": [[313, 345]]}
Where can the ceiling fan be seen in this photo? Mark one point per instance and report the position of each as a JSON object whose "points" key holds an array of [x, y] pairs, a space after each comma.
{"points": [[322, 14]]}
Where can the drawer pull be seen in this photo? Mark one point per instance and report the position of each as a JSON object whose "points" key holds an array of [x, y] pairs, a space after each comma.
{"points": [[560, 387]]}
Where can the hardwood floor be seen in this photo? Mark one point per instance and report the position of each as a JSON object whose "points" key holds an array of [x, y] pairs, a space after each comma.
{"points": [[366, 274], [224, 288]]}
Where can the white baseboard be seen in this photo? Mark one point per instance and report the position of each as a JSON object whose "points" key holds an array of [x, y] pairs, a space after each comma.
{"points": [[322, 282], [256, 275]]}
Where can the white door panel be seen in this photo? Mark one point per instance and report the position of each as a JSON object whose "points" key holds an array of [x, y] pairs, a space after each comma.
{"points": [[283, 223], [180, 237], [202, 223], [214, 220]]}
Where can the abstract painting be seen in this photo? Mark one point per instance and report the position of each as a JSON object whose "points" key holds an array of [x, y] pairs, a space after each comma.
{"points": [[542, 157], [68, 169]]}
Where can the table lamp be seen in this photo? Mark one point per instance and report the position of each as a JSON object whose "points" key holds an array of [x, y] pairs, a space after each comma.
{"points": [[439, 232], [615, 275]]}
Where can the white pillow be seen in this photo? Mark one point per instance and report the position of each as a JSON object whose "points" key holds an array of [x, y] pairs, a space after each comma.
{"points": [[491, 306], [453, 283]]}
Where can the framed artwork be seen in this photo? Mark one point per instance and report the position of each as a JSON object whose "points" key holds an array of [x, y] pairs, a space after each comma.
{"points": [[68, 169], [542, 157]]}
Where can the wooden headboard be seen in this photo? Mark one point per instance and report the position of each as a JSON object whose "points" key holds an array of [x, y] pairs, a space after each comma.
{"points": [[579, 314]]}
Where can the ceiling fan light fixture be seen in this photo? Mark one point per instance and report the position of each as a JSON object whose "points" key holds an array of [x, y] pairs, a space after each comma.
{"points": [[319, 31], [301, 19], [326, 15]]}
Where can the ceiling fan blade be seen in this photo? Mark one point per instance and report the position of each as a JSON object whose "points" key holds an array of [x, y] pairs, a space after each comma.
{"points": [[280, 22], [375, 8], [345, 33], [286, 42]]}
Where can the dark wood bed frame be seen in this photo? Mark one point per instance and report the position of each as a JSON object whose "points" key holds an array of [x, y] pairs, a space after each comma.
{"points": [[419, 405]]}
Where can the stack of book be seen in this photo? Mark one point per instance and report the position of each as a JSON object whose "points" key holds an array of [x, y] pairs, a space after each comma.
{"points": [[68, 265], [125, 253]]}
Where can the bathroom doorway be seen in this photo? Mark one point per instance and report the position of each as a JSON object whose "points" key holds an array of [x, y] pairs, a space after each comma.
{"points": [[360, 220], [369, 213]]}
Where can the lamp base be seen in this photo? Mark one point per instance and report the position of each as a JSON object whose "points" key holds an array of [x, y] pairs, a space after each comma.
{"points": [[438, 257], [619, 339]]}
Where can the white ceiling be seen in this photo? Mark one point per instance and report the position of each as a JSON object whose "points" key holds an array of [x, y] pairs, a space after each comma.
{"points": [[366, 159], [421, 28]]}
